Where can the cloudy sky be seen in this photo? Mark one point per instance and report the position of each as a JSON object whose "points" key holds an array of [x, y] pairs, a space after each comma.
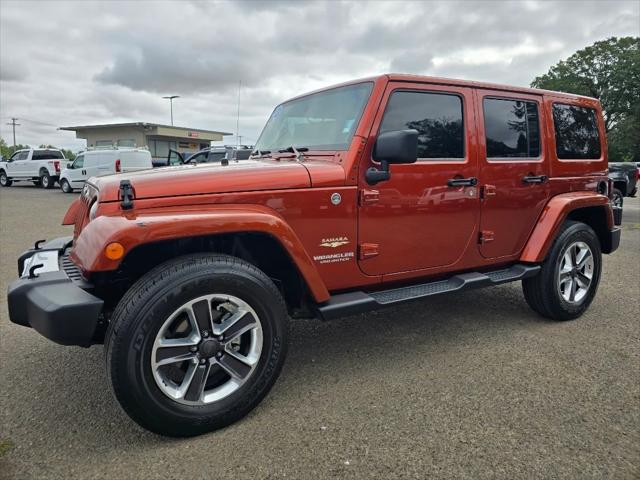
{"points": [[75, 63]]}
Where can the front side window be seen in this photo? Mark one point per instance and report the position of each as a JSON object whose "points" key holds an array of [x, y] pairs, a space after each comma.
{"points": [[78, 162], [199, 157], [511, 128], [577, 135], [436, 116], [325, 120], [46, 155], [20, 156]]}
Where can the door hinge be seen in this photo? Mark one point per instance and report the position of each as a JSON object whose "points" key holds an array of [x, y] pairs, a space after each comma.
{"points": [[367, 250], [486, 236], [488, 191], [368, 197]]}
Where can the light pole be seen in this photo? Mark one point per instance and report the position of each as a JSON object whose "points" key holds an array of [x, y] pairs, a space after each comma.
{"points": [[170, 98]]}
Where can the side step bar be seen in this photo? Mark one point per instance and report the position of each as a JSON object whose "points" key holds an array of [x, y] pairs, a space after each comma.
{"points": [[352, 303]]}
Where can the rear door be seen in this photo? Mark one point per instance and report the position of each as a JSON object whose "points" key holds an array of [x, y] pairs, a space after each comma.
{"points": [[417, 219], [514, 170]]}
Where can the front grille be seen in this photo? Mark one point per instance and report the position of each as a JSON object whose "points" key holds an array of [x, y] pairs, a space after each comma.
{"points": [[70, 268], [87, 197]]}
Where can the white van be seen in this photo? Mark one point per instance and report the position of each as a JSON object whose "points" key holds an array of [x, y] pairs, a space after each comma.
{"points": [[95, 163]]}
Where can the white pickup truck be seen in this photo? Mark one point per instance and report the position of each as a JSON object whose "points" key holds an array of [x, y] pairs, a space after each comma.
{"points": [[38, 165]]}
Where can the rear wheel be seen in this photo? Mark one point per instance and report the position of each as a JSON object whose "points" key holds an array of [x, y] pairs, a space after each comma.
{"points": [[45, 179], [196, 344], [4, 180], [65, 187], [570, 274]]}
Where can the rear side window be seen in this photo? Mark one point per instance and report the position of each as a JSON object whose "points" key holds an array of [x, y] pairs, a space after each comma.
{"points": [[577, 134], [46, 155], [436, 116], [511, 128]]}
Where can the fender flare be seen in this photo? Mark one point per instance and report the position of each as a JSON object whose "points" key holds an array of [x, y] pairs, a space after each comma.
{"points": [[133, 229], [553, 216]]}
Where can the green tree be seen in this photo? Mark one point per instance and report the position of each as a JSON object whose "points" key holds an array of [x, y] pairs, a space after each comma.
{"points": [[7, 150], [608, 70]]}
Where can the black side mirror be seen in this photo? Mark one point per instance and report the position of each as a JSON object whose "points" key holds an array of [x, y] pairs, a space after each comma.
{"points": [[399, 146]]}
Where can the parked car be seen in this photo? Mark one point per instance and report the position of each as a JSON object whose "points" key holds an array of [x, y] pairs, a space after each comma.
{"points": [[209, 155], [99, 162], [38, 165], [361, 196], [625, 180]]}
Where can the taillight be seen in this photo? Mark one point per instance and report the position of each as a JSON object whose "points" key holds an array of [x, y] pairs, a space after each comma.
{"points": [[56, 165], [118, 166]]}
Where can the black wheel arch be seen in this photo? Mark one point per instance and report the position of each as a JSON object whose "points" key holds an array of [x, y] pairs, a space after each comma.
{"points": [[262, 250]]}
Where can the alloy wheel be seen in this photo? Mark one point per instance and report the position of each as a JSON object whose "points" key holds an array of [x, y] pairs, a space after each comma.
{"points": [[576, 272], [206, 349]]}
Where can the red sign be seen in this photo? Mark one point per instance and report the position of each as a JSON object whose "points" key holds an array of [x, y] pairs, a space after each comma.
{"points": [[193, 134]]}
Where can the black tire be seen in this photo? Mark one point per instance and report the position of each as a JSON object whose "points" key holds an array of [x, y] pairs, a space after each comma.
{"points": [[143, 310], [65, 187], [617, 198], [45, 179], [5, 181], [542, 291]]}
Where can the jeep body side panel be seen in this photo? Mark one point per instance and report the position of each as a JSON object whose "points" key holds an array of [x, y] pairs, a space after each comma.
{"points": [[135, 230], [575, 168], [552, 217]]}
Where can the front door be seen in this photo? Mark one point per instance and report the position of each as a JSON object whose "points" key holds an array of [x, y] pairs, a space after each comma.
{"points": [[426, 215], [514, 170], [76, 177]]}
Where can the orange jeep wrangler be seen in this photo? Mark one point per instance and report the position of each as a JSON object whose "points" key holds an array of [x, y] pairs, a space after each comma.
{"points": [[358, 196]]}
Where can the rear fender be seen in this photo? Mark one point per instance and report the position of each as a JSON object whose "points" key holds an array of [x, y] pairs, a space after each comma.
{"points": [[134, 229], [553, 216]]}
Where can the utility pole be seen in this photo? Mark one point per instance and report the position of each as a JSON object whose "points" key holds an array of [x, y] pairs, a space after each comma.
{"points": [[238, 137], [170, 98], [14, 125]]}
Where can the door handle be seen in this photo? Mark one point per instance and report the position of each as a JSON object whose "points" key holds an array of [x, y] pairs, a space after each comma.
{"points": [[534, 179], [462, 182]]}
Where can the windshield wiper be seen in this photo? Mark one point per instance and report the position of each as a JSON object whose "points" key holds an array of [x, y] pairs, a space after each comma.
{"points": [[297, 151], [261, 153]]}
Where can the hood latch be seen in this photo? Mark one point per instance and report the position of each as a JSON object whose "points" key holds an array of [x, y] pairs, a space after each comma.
{"points": [[126, 195]]}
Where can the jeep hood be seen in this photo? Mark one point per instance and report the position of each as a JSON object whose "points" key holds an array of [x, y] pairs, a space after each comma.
{"points": [[199, 179]]}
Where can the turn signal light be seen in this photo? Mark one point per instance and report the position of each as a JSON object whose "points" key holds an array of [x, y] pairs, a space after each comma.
{"points": [[118, 166], [114, 251]]}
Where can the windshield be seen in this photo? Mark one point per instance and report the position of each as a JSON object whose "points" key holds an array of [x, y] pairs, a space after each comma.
{"points": [[325, 120]]}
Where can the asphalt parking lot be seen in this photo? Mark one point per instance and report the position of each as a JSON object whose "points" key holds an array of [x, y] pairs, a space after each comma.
{"points": [[473, 385]]}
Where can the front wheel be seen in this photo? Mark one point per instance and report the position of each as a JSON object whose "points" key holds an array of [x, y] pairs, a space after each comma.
{"points": [[5, 181], [568, 281], [65, 187], [196, 344]]}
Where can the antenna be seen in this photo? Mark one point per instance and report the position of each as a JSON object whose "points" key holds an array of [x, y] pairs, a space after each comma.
{"points": [[238, 117]]}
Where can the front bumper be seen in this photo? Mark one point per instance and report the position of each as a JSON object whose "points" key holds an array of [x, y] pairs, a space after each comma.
{"points": [[55, 303]]}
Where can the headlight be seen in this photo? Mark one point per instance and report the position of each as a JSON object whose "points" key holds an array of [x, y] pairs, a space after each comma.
{"points": [[93, 210]]}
